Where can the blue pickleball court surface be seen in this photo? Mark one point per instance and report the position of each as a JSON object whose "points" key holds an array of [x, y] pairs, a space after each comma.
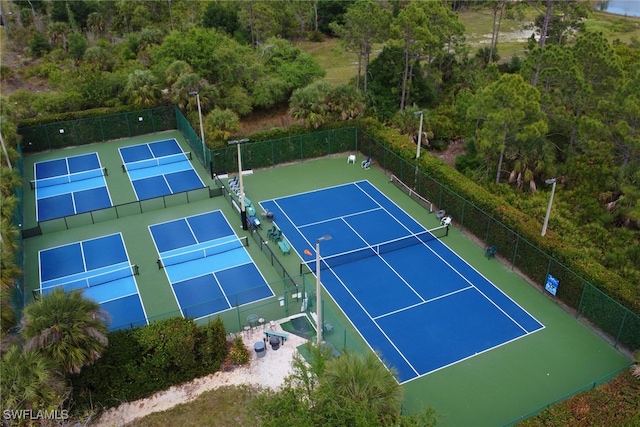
{"points": [[412, 299], [101, 268], [158, 169], [207, 265], [69, 186]]}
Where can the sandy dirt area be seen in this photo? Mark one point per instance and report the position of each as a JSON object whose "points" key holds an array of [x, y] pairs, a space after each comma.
{"points": [[268, 371]]}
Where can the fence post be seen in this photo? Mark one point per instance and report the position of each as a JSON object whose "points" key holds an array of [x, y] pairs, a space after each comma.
{"points": [[515, 253], [624, 319], [584, 290]]}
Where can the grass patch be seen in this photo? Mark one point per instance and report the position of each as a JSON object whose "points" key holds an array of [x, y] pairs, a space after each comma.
{"points": [[225, 406], [614, 27], [341, 66], [514, 31]]}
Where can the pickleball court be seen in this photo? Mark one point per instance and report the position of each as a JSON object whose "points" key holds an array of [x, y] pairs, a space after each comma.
{"points": [[102, 269], [207, 265], [69, 185], [158, 169]]}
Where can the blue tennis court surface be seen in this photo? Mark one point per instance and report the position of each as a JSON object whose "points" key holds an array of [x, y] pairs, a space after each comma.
{"points": [[102, 269], [411, 298], [209, 268], [158, 169], [69, 186]]}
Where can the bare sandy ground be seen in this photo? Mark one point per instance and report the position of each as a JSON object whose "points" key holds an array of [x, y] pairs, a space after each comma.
{"points": [[268, 371]]}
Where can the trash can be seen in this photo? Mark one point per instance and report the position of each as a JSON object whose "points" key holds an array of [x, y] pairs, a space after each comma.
{"points": [[260, 349], [275, 342]]}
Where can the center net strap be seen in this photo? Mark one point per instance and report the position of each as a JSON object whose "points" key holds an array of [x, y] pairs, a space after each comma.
{"points": [[382, 248], [157, 161], [165, 261]]}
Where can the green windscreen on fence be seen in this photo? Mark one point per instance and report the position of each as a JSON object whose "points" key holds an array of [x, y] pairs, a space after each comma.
{"points": [[73, 133]]}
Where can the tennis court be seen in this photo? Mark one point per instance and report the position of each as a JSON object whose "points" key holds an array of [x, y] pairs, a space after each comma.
{"points": [[412, 299], [100, 267], [207, 265], [69, 186], [159, 168]]}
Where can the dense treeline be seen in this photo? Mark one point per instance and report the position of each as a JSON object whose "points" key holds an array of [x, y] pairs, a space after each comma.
{"points": [[568, 109]]}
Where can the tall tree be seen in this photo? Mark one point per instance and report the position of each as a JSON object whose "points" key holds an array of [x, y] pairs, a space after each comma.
{"points": [[365, 23], [510, 115], [69, 329], [422, 29]]}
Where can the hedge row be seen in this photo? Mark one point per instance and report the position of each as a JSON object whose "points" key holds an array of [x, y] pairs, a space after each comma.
{"points": [[141, 361]]}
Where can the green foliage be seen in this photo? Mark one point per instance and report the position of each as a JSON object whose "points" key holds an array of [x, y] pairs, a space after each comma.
{"points": [[169, 349], [213, 345], [615, 403], [219, 125], [239, 353], [77, 45], [357, 390], [39, 45], [29, 380], [67, 328], [142, 361], [351, 389]]}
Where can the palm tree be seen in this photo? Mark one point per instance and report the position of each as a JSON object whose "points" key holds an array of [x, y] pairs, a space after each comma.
{"points": [[29, 380], [358, 390], [219, 125], [67, 327], [142, 89], [310, 104]]}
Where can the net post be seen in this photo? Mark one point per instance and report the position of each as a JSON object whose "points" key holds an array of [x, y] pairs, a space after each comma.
{"points": [[136, 270], [32, 184], [105, 171], [159, 262], [124, 169]]}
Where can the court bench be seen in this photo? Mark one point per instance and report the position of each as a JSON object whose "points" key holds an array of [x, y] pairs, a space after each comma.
{"points": [[282, 335], [284, 246]]}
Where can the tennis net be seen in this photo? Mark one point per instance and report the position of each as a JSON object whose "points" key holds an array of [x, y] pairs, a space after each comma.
{"points": [[333, 261], [165, 261], [68, 178], [157, 161]]}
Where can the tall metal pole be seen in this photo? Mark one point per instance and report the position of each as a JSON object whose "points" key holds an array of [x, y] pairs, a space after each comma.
{"points": [[419, 134], [546, 218], [318, 291], [243, 209], [201, 125]]}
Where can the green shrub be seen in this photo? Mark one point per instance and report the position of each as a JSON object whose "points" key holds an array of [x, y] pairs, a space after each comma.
{"points": [[145, 360], [213, 345], [239, 353]]}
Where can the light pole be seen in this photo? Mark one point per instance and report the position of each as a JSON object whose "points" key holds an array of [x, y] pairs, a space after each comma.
{"points": [[318, 294], [195, 92], [546, 218], [419, 133], [243, 210]]}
